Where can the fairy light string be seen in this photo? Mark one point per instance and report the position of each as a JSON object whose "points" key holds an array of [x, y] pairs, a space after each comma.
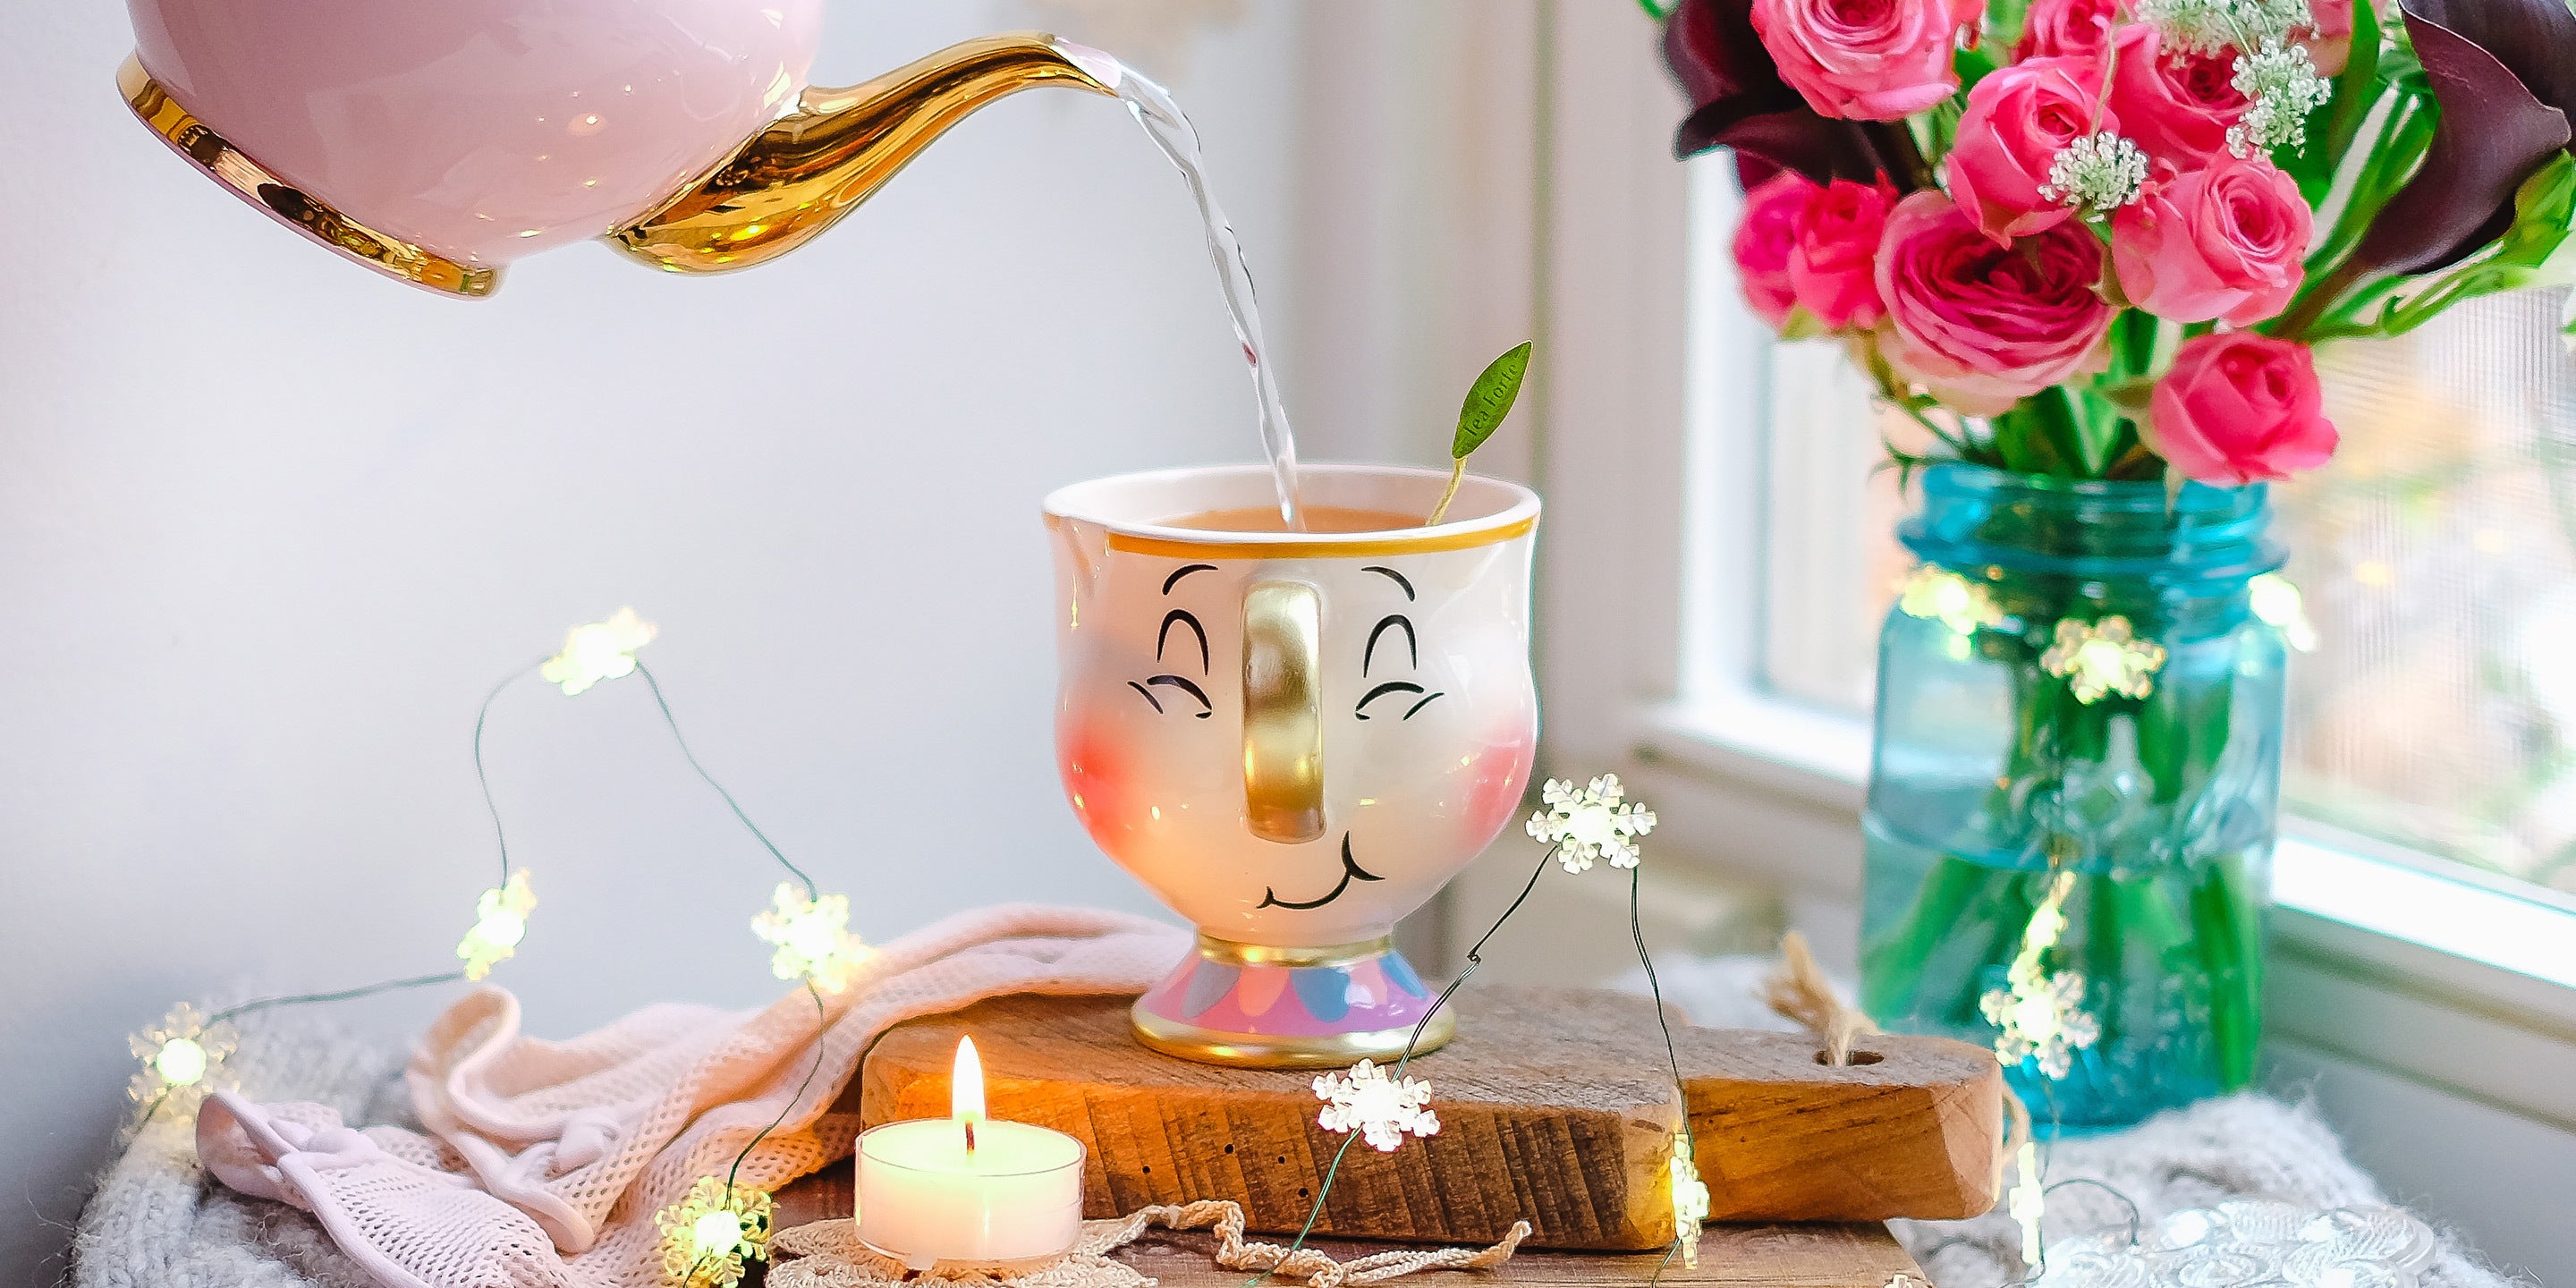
{"points": [[1578, 825], [183, 1055], [482, 779], [811, 890]]}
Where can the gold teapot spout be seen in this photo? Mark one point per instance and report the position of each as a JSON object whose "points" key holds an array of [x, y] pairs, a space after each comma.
{"points": [[817, 163]]}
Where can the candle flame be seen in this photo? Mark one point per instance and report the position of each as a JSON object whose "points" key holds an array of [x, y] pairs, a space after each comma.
{"points": [[966, 1086]]}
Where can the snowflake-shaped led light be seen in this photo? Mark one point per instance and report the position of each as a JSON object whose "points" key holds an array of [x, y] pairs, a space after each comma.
{"points": [[183, 1058], [500, 922], [2103, 657], [1940, 595], [1381, 1108], [1590, 822], [2098, 173], [2039, 1013], [812, 937], [1690, 1199], [709, 1235], [598, 651], [2028, 1202], [2276, 602]]}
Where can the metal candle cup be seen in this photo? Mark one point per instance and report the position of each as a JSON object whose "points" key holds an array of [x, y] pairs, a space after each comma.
{"points": [[967, 1191]]}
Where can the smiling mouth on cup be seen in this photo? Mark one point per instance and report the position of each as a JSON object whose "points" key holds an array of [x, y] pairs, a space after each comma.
{"points": [[1351, 871]]}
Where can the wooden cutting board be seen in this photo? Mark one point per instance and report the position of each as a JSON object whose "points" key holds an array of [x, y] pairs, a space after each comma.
{"points": [[1555, 1108]]}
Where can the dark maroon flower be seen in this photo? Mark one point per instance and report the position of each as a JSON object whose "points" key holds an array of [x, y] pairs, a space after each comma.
{"points": [[1739, 101], [2504, 72]]}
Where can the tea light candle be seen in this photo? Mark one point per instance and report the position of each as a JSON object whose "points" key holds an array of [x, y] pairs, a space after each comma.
{"points": [[966, 1189]]}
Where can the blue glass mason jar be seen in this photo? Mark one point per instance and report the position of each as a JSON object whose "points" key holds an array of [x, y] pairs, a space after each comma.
{"points": [[2074, 787]]}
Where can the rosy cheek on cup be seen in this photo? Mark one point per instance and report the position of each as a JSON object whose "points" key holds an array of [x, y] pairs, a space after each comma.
{"points": [[1096, 781], [1501, 773]]}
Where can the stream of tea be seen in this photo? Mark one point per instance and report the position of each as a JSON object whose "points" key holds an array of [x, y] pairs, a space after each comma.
{"points": [[1153, 108]]}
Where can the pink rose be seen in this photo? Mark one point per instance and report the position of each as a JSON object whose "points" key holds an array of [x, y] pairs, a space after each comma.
{"points": [[2066, 29], [2329, 42], [1980, 325], [1772, 213], [1834, 265], [2225, 241], [2017, 121], [2176, 106], [2239, 408], [1864, 60]]}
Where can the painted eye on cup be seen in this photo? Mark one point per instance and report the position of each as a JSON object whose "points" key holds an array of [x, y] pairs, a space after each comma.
{"points": [[1180, 682], [1393, 688]]}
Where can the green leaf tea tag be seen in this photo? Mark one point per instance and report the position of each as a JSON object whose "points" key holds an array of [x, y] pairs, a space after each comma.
{"points": [[1490, 400]]}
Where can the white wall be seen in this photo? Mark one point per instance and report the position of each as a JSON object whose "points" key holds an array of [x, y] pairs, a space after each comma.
{"points": [[270, 526]]}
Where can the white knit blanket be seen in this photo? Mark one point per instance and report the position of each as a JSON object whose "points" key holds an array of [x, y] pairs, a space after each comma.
{"points": [[157, 1221], [2239, 1147]]}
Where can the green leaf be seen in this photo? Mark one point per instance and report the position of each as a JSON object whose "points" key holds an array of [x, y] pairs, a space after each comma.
{"points": [[2357, 87], [2537, 249], [2132, 396], [1936, 130], [1490, 400], [2333, 125], [2391, 159], [1802, 325], [1972, 65]]}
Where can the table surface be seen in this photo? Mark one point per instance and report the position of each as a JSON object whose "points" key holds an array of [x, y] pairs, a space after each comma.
{"points": [[1759, 1256]]}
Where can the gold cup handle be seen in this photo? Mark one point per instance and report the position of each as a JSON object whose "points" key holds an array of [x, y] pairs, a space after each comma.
{"points": [[1283, 719]]}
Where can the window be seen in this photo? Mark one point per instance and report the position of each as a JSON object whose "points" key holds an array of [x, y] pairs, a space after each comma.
{"points": [[2437, 710], [1719, 560]]}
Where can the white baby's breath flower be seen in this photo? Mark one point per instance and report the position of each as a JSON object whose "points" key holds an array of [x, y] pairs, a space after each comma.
{"points": [[2283, 84], [1590, 822], [1381, 1108], [2208, 26], [2099, 173]]}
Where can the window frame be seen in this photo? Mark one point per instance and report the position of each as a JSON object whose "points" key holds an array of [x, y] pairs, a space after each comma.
{"points": [[1749, 783]]}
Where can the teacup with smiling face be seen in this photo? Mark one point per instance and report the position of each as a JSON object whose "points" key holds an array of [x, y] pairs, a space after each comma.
{"points": [[1293, 738]]}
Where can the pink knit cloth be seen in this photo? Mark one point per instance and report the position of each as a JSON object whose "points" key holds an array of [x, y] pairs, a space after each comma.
{"points": [[546, 1161]]}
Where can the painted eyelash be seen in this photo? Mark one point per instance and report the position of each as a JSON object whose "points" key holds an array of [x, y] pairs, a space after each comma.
{"points": [[1182, 683], [1395, 686]]}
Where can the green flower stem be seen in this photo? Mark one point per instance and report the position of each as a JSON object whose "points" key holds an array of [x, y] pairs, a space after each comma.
{"points": [[2105, 948], [2227, 929], [2012, 900], [1892, 969]]}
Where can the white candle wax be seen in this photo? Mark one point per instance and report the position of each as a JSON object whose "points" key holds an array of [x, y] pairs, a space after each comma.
{"points": [[924, 1197]]}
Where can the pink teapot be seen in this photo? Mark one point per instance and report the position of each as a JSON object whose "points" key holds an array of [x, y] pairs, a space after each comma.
{"points": [[438, 140]]}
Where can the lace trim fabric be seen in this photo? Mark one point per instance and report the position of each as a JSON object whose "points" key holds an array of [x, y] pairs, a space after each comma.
{"points": [[828, 1254], [2253, 1245]]}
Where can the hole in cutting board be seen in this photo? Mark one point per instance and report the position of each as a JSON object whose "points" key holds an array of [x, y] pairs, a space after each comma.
{"points": [[1857, 1057]]}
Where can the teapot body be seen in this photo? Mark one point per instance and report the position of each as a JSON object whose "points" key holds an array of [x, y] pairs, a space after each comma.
{"points": [[478, 131]]}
